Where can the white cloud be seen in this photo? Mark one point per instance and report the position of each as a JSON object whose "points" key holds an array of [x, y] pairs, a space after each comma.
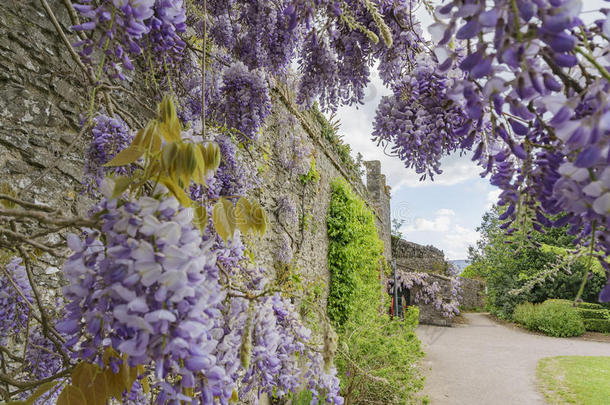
{"points": [[440, 223], [492, 198], [441, 231], [456, 241]]}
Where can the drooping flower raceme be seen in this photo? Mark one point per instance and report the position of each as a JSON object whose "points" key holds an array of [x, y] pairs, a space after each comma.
{"points": [[14, 309], [245, 99], [148, 287], [420, 120], [110, 136], [122, 29], [429, 291]]}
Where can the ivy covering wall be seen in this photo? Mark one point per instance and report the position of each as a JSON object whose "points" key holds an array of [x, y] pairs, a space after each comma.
{"points": [[375, 355]]}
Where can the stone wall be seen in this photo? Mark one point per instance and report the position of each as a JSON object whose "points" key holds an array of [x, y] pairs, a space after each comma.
{"points": [[473, 294], [410, 256], [379, 193], [43, 93], [427, 313]]}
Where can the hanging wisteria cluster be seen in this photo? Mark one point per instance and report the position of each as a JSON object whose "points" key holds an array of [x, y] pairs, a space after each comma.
{"points": [[14, 309], [428, 291], [110, 136], [531, 102]]}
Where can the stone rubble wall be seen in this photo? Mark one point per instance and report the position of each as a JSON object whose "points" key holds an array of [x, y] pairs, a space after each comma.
{"points": [[473, 294], [44, 94], [411, 256]]}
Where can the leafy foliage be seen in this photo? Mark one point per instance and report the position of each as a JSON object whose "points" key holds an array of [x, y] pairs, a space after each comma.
{"points": [[517, 271], [354, 251], [552, 318], [375, 354]]}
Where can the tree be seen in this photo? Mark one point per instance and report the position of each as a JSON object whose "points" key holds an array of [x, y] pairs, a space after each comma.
{"points": [[531, 270]]}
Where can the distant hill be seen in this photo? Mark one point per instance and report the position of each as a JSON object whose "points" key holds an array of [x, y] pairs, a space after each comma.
{"points": [[459, 264]]}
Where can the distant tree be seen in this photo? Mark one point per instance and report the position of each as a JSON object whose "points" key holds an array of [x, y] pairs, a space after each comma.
{"points": [[519, 269]]}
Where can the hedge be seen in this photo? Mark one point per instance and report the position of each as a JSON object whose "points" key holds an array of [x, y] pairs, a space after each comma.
{"points": [[589, 305], [552, 318], [594, 313], [597, 325]]}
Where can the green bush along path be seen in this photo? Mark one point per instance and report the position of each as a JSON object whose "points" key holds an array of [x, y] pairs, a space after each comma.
{"points": [[486, 363]]}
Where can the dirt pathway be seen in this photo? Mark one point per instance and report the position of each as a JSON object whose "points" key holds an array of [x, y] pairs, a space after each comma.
{"points": [[485, 363]]}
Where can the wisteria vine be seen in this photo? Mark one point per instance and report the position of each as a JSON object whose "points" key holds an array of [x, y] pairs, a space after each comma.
{"points": [[168, 302]]}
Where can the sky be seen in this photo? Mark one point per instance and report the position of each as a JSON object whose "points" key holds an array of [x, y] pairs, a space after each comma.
{"points": [[444, 212]]}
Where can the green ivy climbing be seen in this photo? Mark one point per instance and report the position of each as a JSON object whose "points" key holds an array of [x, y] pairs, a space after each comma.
{"points": [[376, 356], [355, 252]]}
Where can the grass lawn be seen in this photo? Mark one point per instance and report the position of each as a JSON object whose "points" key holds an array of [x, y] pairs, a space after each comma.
{"points": [[579, 380]]}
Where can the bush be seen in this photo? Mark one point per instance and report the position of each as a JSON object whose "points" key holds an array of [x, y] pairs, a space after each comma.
{"points": [[524, 314], [597, 325], [589, 305], [552, 318], [593, 313]]}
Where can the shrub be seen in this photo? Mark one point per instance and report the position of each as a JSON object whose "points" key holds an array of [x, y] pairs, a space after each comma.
{"points": [[589, 305], [597, 325], [524, 314], [593, 313], [552, 318]]}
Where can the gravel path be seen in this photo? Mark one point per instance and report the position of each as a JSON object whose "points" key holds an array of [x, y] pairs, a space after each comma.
{"points": [[486, 363]]}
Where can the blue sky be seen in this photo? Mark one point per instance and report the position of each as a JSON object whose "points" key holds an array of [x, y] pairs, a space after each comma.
{"points": [[443, 213]]}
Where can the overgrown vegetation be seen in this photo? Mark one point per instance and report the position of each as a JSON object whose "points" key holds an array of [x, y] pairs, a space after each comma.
{"points": [[375, 355], [575, 379], [533, 271], [552, 317], [329, 131]]}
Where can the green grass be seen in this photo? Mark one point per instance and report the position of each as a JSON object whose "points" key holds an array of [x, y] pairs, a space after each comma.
{"points": [[578, 380]]}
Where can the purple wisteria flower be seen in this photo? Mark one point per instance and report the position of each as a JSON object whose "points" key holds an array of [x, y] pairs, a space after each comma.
{"points": [[14, 309], [148, 288], [245, 99], [122, 29], [429, 291], [110, 136]]}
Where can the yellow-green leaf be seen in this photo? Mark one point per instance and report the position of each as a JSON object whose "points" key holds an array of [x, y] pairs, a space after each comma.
{"points": [[120, 185], [71, 395], [128, 155], [170, 125], [223, 216], [40, 391], [199, 175], [168, 155], [92, 383], [177, 191], [83, 374], [201, 217], [259, 217], [234, 396], [6, 188], [242, 214], [212, 156]]}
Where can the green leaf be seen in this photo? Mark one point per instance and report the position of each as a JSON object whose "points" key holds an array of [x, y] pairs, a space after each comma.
{"points": [[128, 155], [242, 214], [120, 185], [224, 219], [177, 191], [71, 395], [201, 217], [38, 393]]}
